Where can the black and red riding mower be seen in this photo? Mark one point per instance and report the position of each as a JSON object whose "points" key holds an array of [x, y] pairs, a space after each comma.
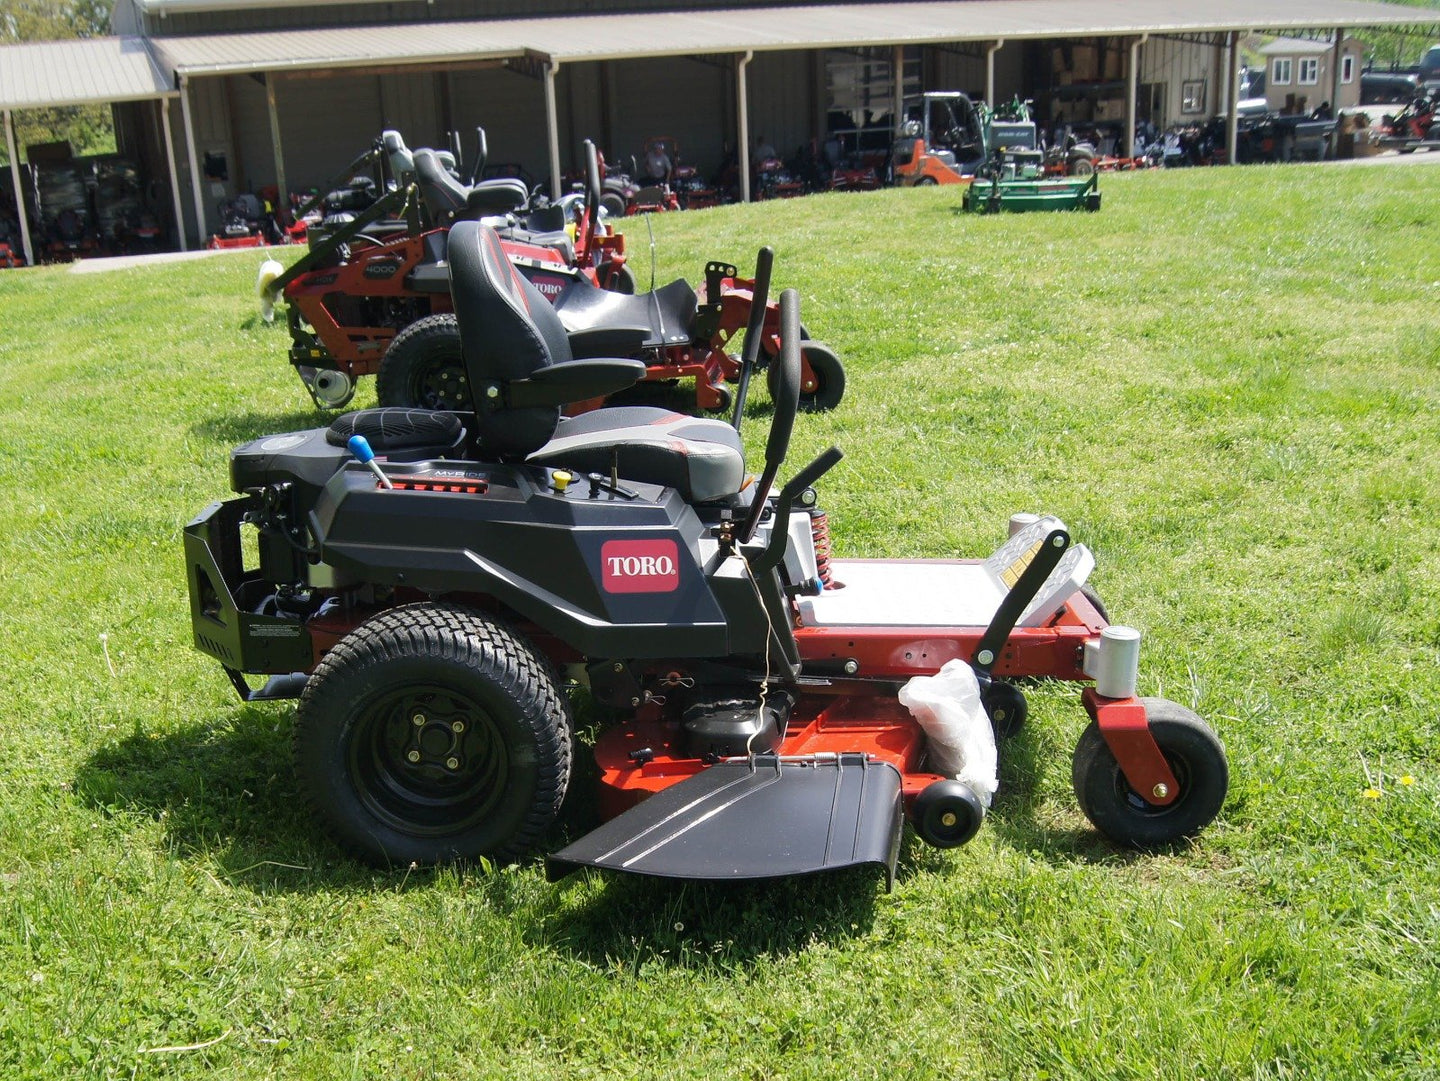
{"points": [[385, 308], [384, 268], [424, 578]]}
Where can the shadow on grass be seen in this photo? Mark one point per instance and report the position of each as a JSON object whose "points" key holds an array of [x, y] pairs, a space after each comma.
{"points": [[222, 788], [649, 922], [224, 793], [243, 427]]}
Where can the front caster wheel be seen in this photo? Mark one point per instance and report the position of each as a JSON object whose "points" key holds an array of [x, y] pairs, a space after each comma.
{"points": [[822, 378], [1197, 759], [1006, 705], [432, 733]]}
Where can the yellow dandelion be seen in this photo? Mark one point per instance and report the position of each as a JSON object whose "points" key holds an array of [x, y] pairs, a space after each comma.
{"points": [[1407, 780], [1371, 793]]}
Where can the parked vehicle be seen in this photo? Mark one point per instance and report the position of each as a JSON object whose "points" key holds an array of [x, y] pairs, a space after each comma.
{"points": [[423, 579]]}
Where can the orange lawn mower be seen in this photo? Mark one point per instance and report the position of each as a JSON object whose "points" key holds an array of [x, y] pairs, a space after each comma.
{"points": [[370, 277]]}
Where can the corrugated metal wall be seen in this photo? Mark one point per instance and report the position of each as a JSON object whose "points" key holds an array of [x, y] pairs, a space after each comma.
{"points": [[784, 100], [1172, 62], [676, 96], [511, 108], [950, 69]]}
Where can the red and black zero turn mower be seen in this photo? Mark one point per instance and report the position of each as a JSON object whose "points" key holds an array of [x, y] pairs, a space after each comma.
{"points": [[677, 332], [355, 290], [424, 578]]}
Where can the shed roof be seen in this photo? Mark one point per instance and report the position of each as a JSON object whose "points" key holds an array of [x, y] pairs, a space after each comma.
{"points": [[47, 73], [690, 32], [1299, 47]]}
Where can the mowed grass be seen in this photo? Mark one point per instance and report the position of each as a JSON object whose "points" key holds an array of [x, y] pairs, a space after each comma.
{"points": [[1226, 382]]}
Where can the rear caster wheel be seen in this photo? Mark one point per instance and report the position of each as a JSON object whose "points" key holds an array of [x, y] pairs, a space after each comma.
{"points": [[1007, 707], [1197, 759], [424, 367], [431, 733]]}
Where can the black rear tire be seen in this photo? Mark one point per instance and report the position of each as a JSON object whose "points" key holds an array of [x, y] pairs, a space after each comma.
{"points": [[424, 367], [614, 205], [1197, 759], [431, 733]]}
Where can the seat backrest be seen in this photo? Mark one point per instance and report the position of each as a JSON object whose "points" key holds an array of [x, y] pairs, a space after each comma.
{"points": [[402, 162], [443, 195], [508, 331]]}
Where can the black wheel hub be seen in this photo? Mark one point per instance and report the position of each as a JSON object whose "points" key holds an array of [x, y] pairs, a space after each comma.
{"points": [[428, 761], [442, 386]]}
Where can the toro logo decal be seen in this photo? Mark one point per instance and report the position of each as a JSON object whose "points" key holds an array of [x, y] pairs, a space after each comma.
{"points": [[640, 566]]}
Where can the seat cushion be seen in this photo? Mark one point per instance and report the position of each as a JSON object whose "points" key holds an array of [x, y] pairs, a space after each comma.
{"points": [[699, 457], [394, 429]]}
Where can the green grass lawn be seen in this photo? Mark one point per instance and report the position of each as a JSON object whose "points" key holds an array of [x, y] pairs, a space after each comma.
{"points": [[1226, 382]]}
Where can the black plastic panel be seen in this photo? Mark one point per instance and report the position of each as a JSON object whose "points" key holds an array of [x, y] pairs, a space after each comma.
{"points": [[773, 819]]}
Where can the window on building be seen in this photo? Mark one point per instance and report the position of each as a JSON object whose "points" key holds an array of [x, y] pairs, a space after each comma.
{"points": [[1347, 68], [1309, 71], [1280, 71]]}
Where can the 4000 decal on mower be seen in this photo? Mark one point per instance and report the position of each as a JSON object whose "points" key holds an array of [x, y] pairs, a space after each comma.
{"points": [[423, 578]]}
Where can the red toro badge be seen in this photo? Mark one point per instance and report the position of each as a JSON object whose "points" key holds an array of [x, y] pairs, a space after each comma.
{"points": [[640, 566]]}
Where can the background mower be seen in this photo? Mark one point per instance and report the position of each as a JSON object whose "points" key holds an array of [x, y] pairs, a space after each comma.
{"points": [[400, 325], [354, 291], [423, 603]]}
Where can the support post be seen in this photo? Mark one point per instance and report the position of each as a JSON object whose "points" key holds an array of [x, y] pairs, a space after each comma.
{"points": [[742, 123], [990, 51], [282, 194], [897, 69], [19, 191], [552, 128], [174, 173], [1131, 92], [1336, 59], [1232, 80], [194, 160]]}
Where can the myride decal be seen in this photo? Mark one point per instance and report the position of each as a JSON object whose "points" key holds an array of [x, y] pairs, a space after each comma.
{"points": [[640, 566]]}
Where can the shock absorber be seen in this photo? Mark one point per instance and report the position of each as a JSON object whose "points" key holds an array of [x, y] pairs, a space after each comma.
{"points": [[820, 534]]}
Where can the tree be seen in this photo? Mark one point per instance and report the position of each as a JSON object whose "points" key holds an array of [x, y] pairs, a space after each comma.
{"points": [[89, 129]]}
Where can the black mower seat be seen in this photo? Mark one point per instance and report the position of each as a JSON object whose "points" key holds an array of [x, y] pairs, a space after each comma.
{"points": [[518, 357], [394, 429], [447, 199], [669, 311], [698, 457]]}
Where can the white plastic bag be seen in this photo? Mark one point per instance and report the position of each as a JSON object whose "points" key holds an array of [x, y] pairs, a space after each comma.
{"points": [[962, 743]]}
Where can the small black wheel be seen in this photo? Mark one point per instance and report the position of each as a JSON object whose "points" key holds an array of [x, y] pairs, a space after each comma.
{"points": [[613, 204], [618, 278], [947, 813], [1197, 759], [727, 399], [424, 368], [822, 379], [1082, 165], [926, 182], [1007, 707], [1090, 595], [432, 733]]}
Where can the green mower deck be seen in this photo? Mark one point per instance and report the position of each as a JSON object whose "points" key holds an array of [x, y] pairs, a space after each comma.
{"points": [[1060, 193]]}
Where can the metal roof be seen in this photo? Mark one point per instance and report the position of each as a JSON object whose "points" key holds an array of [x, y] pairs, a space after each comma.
{"points": [[690, 32], [1296, 47], [185, 7], [339, 47], [46, 73]]}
